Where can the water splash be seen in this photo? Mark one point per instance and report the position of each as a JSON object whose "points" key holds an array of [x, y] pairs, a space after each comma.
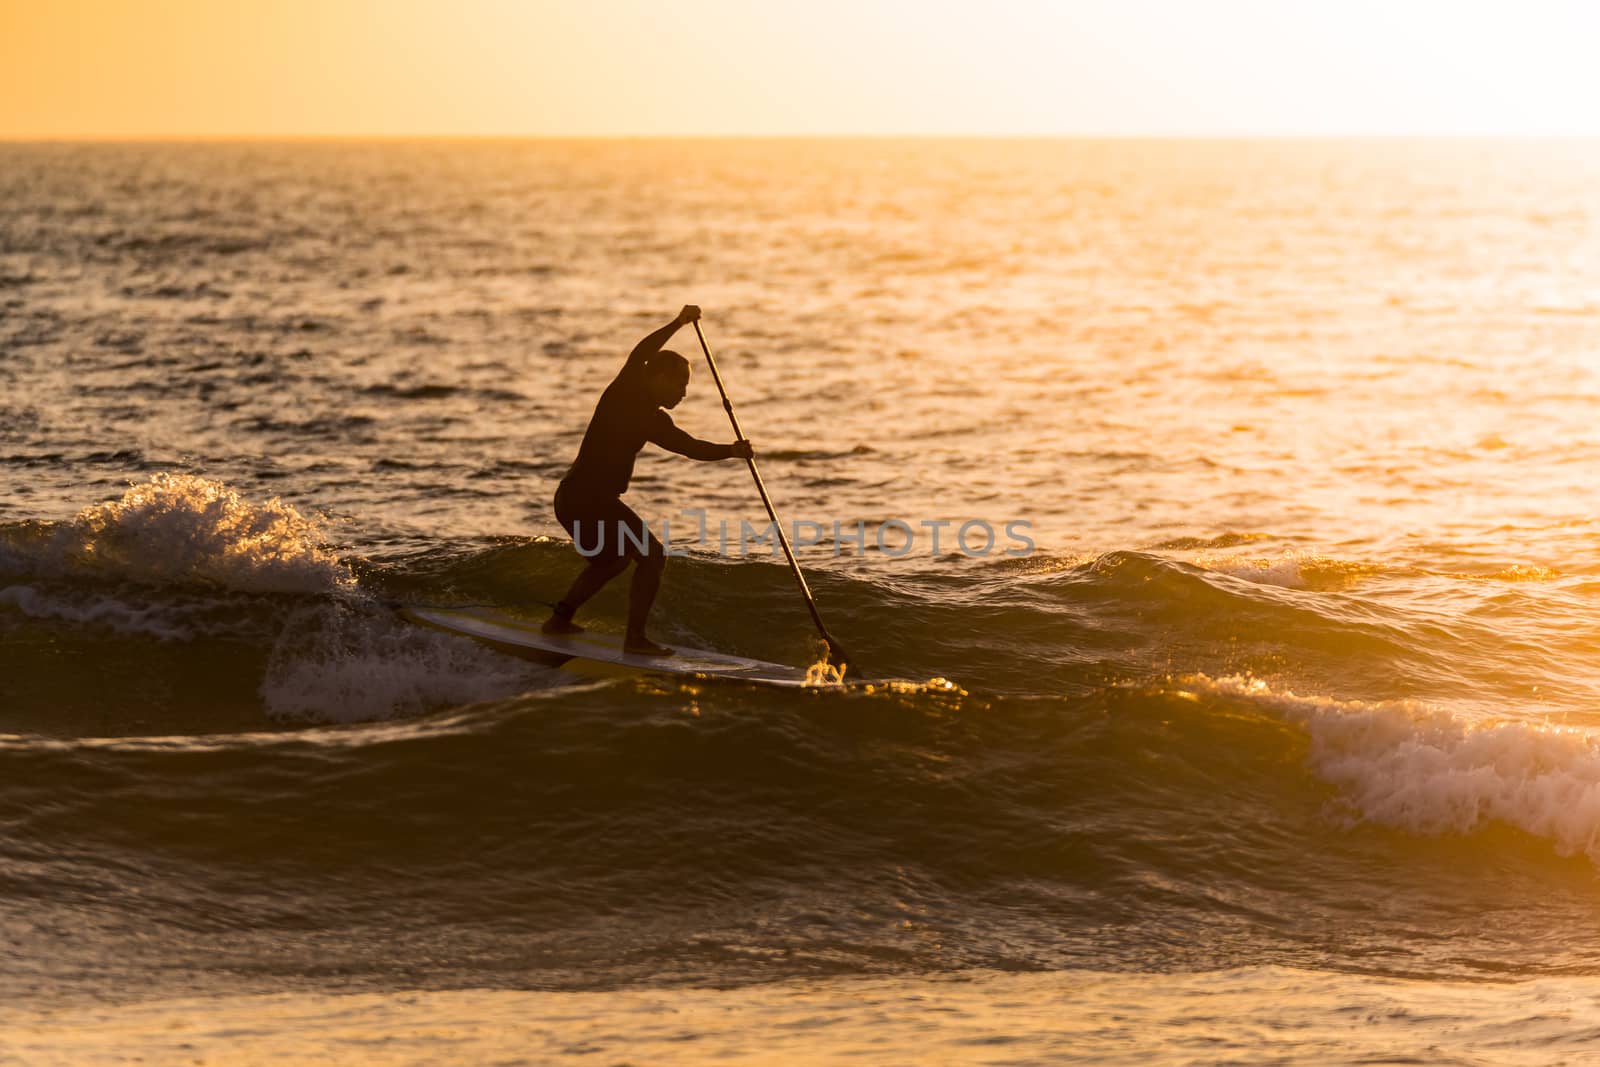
{"points": [[182, 528], [348, 663], [822, 673]]}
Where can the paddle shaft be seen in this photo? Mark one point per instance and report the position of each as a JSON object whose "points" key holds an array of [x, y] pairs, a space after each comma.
{"points": [[834, 651]]}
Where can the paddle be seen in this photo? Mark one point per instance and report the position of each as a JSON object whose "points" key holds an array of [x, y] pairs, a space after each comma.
{"points": [[836, 655]]}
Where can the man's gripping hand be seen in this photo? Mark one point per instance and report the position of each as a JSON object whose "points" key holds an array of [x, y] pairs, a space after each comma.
{"points": [[690, 313]]}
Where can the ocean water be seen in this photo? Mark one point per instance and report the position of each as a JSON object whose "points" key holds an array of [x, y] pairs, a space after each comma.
{"points": [[1281, 744]]}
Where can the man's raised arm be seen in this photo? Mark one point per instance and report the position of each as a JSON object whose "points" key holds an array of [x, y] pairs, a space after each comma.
{"points": [[653, 341]]}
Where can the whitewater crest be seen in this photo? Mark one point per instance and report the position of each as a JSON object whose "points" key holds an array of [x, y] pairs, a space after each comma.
{"points": [[340, 663], [1421, 768], [183, 528]]}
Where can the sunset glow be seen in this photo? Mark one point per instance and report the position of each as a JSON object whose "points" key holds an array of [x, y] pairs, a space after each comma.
{"points": [[173, 68]]}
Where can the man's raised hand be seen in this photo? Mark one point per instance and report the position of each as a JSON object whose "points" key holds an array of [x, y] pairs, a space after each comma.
{"points": [[690, 313]]}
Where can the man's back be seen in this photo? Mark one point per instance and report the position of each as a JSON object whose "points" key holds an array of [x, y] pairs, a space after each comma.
{"points": [[625, 417]]}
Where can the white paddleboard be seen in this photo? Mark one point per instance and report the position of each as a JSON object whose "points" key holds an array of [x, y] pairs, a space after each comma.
{"points": [[599, 654]]}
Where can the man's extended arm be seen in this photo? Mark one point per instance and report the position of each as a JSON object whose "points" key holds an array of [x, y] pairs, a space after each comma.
{"points": [[652, 342], [669, 437]]}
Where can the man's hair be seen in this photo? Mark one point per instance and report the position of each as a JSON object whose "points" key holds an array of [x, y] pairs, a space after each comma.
{"points": [[665, 360]]}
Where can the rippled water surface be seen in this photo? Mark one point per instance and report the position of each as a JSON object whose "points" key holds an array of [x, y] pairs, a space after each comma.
{"points": [[1297, 685]]}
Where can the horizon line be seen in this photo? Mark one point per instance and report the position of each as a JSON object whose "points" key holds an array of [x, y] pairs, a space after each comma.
{"points": [[261, 137]]}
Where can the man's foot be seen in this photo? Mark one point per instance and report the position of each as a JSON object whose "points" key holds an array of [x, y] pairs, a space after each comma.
{"points": [[643, 646], [555, 624]]}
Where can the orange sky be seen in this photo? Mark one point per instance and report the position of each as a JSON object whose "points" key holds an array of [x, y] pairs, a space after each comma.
{"points": [[165, 68]]}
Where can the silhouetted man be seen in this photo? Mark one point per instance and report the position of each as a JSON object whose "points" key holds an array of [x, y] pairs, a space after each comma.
{"points": [[589, 503]]}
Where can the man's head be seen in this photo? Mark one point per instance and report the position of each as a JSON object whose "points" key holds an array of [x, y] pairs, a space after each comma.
{"points": [[666, 378]]}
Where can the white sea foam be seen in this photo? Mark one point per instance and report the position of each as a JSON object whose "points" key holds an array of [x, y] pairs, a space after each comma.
{"points": [[1297, 570], [184, 528], [339, 663], [131, 620], [1421, 768]]}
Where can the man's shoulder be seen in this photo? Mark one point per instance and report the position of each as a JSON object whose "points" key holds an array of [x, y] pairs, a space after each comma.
{"points": [[624, 391], [630, 400]]}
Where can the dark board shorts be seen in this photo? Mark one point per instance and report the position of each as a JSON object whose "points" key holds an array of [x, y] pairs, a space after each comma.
{"points": [[603, 527]]}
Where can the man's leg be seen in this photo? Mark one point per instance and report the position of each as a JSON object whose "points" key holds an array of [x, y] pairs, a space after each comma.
{"points": [[590, 580], [641, 596]]}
